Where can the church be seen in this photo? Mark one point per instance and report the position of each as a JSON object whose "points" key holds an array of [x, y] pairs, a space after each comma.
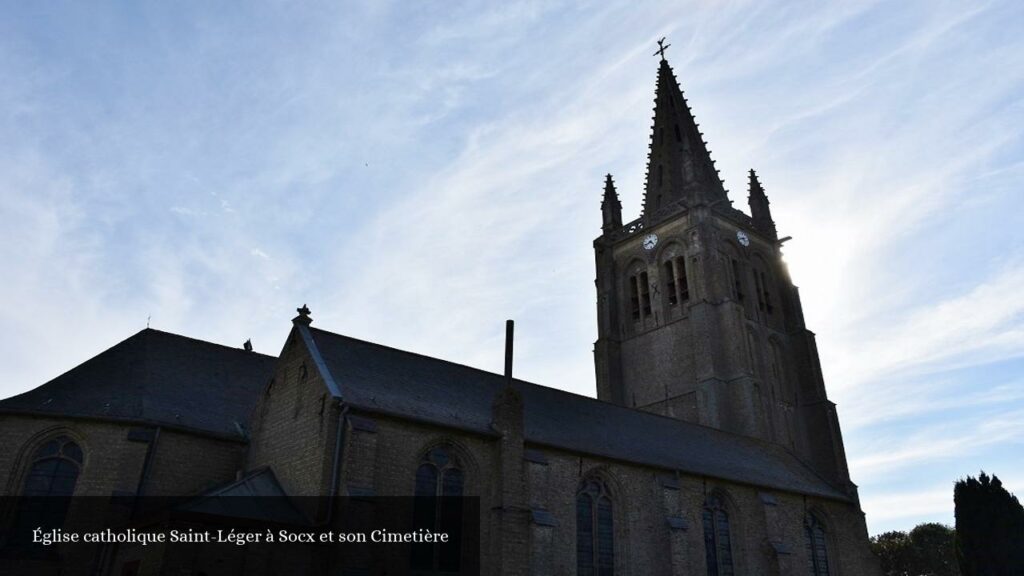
{"points": [[712, 447]]}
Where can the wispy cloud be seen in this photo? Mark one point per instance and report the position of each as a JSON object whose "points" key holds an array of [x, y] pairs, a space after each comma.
{"points": [[418, 176]]}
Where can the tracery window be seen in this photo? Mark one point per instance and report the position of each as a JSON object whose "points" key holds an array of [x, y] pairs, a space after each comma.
{"points": [[49, 484], [645, 293], [678, 287], [439, 486], [634, 298], [595, 535], [717, 538], [763, 286], [766, 288], [54, 469], [737, 280], [817, 546], [639, 295]]}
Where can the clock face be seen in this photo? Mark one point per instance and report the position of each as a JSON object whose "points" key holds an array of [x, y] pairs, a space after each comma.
{"points": [[650, 241], [742, 237]]}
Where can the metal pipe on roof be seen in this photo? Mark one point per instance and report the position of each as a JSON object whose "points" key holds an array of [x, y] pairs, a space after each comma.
{"points": [[510, 327]]}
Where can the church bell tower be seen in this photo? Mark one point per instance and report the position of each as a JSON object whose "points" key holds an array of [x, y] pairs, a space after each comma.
{"points": [[697, 316]]}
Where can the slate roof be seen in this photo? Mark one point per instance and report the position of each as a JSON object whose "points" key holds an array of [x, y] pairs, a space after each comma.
{"points": [[380, 379], [165, 379], [157, 378]]}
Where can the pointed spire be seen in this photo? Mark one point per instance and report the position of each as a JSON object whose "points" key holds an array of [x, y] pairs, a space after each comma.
{"points": [[679, 166], [611, 208], [760, 211]]}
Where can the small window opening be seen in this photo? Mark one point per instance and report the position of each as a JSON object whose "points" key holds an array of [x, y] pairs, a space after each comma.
{"points": [[634, 298], [737, 282], [767, 294], [677, 284], [684, 283], [670, 275], [758, 277], [645, 293]]}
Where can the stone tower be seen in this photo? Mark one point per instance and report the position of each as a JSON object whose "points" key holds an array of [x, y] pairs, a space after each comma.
{"points": [[697, 316]]}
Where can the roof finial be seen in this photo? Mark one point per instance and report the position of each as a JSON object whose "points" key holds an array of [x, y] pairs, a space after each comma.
{"points": [[303, 317], [661, 48]]}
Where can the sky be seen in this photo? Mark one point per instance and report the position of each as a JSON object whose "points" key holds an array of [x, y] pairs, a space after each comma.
{"points": [[418, 172]]}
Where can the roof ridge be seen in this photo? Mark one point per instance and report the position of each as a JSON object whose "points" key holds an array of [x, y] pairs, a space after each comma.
{"points": [[194, 339]]}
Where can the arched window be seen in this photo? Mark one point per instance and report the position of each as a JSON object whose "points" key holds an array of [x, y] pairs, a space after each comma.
{"points": [[54, 469], [645, 293], [438, 507], [763, 286], [737, 280], [676, 284], [595, 537], [817, 546], [717, 539], [639, 295], [49, 484]]}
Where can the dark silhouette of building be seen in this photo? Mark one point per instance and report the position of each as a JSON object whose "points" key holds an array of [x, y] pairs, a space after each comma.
{"points": [[712, 447]]}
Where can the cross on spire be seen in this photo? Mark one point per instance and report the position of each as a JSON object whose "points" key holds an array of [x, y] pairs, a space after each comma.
{"points": [[661, 48]]}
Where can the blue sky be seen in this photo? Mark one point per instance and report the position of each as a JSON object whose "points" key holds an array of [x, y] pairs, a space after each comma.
{"points": [[417, 172]]}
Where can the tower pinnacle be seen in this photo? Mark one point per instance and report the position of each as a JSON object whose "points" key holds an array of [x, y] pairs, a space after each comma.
{"points": [[760, 211], [611, 208]]}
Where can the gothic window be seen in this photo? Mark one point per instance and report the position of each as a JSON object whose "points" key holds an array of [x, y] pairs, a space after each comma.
{"points": [[679, 137], [684, 282], [759, 287], [595, 537], [634, 298], [645, 293], [54, 469], [438, 507], [817, 547], [661, 176], [49, 483], [766, 287], [678, 288], [762, 283], [717, 539], [670, 283], [737, 281], [639, 294]]}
